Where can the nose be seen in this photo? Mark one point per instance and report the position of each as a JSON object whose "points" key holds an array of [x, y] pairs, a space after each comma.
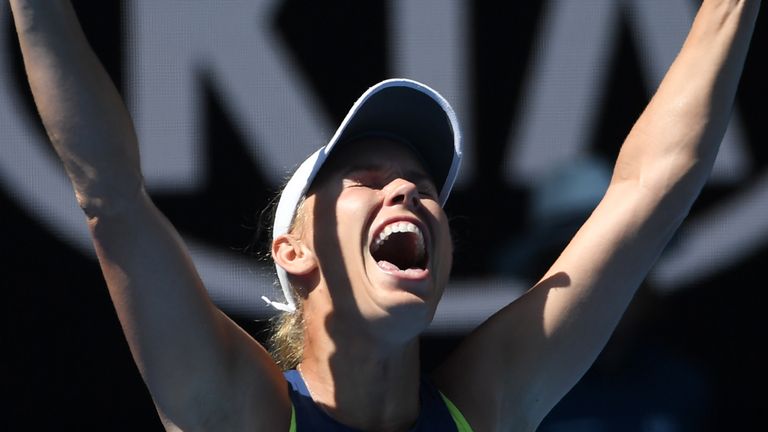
{"points": [[402, 192]]}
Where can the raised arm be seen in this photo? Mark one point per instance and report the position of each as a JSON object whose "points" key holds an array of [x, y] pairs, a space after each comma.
{"points": [[200, 367], [539, 346]]}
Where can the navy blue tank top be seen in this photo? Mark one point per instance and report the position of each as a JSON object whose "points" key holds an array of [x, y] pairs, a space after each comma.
{"points": [[433, 416]]}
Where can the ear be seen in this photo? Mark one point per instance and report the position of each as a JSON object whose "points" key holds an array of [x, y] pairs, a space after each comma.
{"points": [[293, 255]]}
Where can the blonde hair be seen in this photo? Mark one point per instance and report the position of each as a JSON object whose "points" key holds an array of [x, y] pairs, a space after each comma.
{"points": [[286, 340], [286, 343]]}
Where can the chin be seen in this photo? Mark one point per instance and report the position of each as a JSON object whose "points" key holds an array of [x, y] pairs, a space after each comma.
{"points": [[402, 317]]}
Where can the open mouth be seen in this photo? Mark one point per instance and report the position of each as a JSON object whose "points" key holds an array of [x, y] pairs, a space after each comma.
{"points": [[400, 246]]}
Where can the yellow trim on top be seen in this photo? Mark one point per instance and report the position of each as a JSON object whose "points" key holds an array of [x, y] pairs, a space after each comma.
{"points": [[458, 418]]}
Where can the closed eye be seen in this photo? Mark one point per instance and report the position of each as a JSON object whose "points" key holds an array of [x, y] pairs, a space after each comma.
{"points": [[428, 193], [370, 177], [363, 181], [377, 178], [427, 189]]}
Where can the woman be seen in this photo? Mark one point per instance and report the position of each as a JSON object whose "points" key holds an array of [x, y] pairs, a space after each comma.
{"points": [[363, 252]]}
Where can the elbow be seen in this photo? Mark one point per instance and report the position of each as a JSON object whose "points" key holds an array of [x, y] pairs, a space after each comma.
{"points": [[111, 203], [679, 176], [98, 208]]}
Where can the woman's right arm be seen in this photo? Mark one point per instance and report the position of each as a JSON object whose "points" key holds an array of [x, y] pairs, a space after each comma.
{"points": [[202, 370]]}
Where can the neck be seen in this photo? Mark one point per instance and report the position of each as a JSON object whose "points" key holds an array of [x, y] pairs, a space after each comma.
{"points": [[363, 383]]}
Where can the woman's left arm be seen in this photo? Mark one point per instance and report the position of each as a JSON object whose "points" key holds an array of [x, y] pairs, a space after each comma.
{"points": [[539, 346]]}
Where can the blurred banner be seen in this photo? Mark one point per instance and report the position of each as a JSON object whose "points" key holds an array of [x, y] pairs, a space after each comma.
{"points": [[229, 96]]}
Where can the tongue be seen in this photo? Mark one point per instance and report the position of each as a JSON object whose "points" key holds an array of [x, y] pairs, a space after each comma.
{"points": [[391, 268], [388, 266]]}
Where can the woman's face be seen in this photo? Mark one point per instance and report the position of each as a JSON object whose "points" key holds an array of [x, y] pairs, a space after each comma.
{"points": [[381, 238]]}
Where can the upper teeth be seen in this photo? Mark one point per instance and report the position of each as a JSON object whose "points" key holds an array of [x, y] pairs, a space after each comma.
{"points": [[399, 227]]}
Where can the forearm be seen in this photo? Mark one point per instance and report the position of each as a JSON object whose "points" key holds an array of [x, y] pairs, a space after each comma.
{"points": [[673, 145], [81, 110]]}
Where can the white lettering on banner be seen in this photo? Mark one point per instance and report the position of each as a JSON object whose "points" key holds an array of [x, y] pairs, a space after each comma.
{"points": [[564, 79], [568, 73], [428, 42], [171, 45]]}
